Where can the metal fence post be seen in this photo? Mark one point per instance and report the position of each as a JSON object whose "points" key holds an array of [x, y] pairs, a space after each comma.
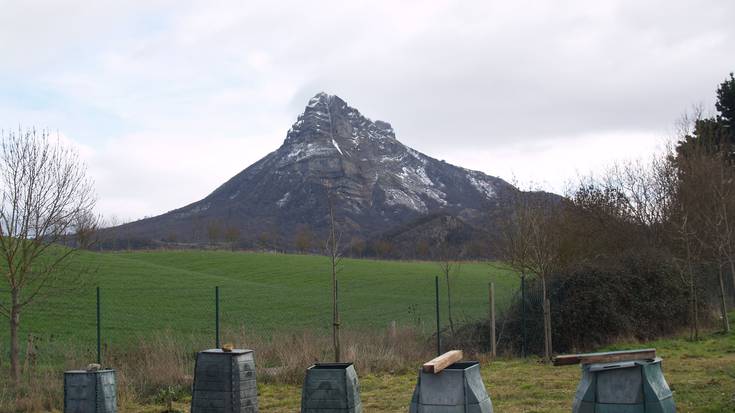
{"points": [[99, 329], [491, 292], [438, 330], [216, 317]]}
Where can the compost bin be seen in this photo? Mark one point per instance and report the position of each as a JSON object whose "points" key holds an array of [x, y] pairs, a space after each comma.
{"points": [[90, 391], [636, 386], [224, 382], [331, 388], [458, 388]]}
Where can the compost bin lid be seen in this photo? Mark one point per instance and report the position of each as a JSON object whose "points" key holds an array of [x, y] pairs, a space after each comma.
{"points": [[88, 371], [462, 365], [620, 364], [320, 366], [233, 351]]}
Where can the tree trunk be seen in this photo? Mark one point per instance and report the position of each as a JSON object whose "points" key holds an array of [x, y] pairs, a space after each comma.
{"points": [[723, 302], [14, 345], [694, 333], [547, 356], [335, 313], [732, 274], [550, 350], [692, 309], [449, 302], [696, 315]]}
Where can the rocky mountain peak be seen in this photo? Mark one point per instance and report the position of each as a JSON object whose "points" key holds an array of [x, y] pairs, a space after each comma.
{"points": [[334, 141], [379, 183], [327, 117]]}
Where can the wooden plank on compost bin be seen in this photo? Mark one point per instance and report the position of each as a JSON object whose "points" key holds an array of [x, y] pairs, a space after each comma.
{"points": [[609, 357], [445, 360]]}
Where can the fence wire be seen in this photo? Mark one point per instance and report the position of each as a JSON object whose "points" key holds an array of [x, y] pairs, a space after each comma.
{"points": [[255, 306]]}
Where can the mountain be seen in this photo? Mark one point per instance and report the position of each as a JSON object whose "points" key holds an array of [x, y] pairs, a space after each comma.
{"points": [[376, 184], [434, 236]]}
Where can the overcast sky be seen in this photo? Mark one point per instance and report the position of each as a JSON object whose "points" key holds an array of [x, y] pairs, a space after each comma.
{"points": [[168, 99]]}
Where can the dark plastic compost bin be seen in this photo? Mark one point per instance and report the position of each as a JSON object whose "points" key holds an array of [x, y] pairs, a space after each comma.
{"points": [[456, 389], [625, 387], [224, 382], [90, 391], [331, 388]]}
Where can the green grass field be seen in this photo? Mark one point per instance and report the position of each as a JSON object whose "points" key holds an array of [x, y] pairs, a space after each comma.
{"points": [[149, 292], [145, 292]]}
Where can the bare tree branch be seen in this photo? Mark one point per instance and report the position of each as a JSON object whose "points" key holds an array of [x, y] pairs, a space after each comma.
{"points": [[46, 203]]}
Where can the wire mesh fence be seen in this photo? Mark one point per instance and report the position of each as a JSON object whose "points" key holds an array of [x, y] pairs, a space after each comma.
{"points": [[518, 326], [267, 305], [259, 305]]}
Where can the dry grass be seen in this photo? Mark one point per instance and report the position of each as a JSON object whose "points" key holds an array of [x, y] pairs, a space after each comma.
{"points": [[285, 357], [702, 373], [163, 364]]}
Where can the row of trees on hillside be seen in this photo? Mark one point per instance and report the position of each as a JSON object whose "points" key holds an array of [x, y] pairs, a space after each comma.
{"points": [[670, 219]]}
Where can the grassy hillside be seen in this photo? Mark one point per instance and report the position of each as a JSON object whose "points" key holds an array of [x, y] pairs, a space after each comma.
{"points": [[144, 292]]}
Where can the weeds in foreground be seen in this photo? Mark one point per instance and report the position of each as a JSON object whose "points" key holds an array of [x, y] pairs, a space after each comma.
{"points": [[159, 369], [155, 375]]}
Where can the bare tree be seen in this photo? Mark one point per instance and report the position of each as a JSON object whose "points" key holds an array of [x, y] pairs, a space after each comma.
{"points": [[45, 194], [86, 226], [357, 246], [232, 236], [214, 231], [645, 196], [334, 251], [303, 238], [530, 244], [269, 239], [449, 267], [383, 248], [707, 193], [447, 258], [682, 204], [685, 263], [686, 251]]}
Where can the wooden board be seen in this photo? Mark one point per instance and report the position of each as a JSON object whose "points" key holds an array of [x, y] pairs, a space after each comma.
{"points": [[609, 357], [445, 360]]}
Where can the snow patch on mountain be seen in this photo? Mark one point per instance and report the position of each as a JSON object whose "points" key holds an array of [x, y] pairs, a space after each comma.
{"points": [[282, 202], [196, 209], [415, 177], [337, 146], [418, 156], [413, 185], [398, 197], [319, 97], [482, 186], [303, 150]]}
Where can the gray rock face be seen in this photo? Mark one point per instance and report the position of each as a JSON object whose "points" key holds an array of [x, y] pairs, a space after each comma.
{"points": [[377, 183]]}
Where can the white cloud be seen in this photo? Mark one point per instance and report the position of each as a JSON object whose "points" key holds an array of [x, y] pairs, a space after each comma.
{"points": [[174, 97], [554, 163], [143, 175]]}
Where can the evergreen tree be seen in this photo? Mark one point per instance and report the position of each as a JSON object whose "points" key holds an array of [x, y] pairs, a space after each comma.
{"points": [[716, 135], [726, 102]]}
